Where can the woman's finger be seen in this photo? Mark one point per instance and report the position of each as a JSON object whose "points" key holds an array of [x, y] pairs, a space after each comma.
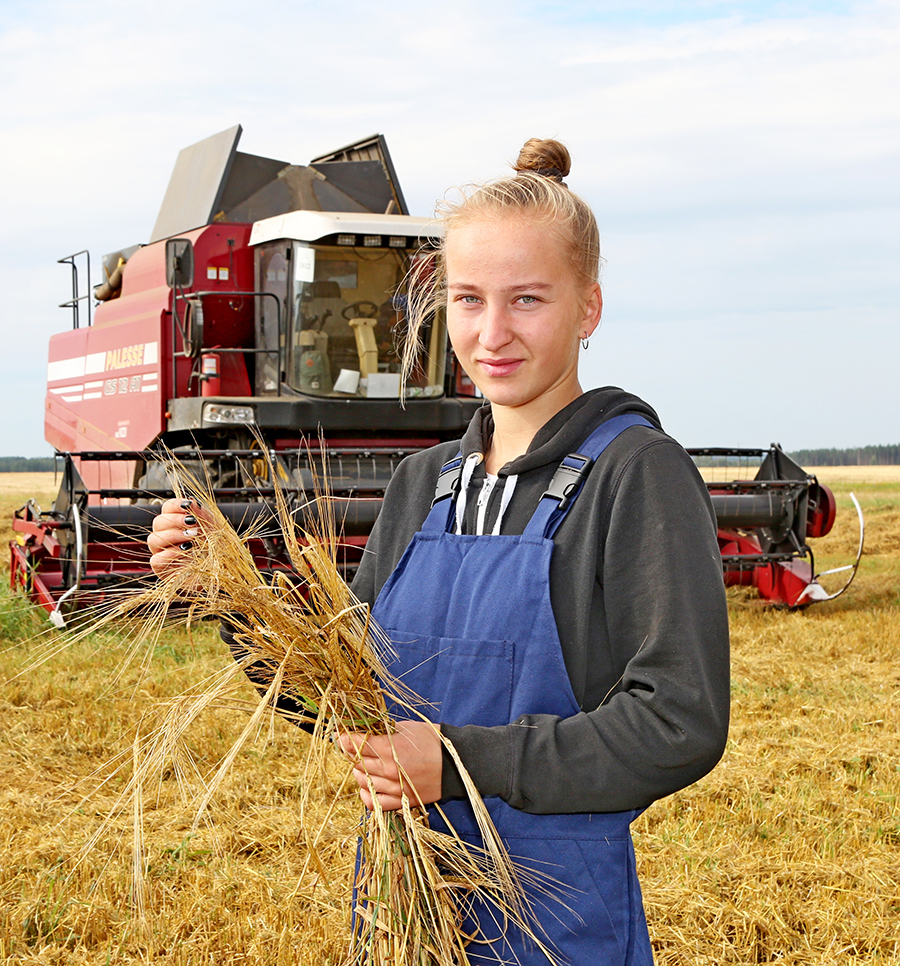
{"points": [[174, 530], [167, 559], [170, 534], [351, 743], [389, 793], [382, 775]]}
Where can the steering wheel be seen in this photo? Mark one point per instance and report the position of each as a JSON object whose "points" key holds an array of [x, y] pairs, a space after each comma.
{"points": [[363, 309]]}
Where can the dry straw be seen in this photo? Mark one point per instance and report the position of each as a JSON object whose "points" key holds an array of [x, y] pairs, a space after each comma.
{"points": [[313, 642], [789, 852]]}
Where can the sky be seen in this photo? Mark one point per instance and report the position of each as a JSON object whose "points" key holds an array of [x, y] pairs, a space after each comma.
{"points": [[741, 157]]}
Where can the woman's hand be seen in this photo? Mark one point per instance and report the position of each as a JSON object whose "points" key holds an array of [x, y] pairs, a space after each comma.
{"points": [[407, 763], [178, 522]]}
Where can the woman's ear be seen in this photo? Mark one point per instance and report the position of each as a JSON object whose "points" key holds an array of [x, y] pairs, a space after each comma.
{"points": [[593, 307]]}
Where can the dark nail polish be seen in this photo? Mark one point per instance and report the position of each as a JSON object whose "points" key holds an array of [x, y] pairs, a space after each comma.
{"points": [[190, 520], [185, 504], [186, 545]]}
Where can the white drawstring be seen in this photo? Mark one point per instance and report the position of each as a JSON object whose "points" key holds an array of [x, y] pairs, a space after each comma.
{"points": [[505, 497], [483, 499], [472, 460]]}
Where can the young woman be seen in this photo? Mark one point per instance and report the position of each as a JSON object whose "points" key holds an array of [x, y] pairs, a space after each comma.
{"points": [[551, 583]]}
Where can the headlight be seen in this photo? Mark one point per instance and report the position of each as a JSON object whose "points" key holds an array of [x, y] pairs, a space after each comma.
{"points": [[224, 413]]}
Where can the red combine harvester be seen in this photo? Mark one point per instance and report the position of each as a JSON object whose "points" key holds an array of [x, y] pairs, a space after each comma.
{"points": [[264, 308]]}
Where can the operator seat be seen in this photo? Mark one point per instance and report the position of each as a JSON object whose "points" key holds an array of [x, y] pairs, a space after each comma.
{"points": [[321, 305], [321, 310]]}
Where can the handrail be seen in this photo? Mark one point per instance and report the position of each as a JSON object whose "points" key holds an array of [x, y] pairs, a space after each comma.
{"points": [[74, 303]]}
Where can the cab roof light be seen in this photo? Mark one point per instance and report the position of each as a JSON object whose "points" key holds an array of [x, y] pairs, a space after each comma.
{"points": [[346, 239], [396, 241], [371, 241]]}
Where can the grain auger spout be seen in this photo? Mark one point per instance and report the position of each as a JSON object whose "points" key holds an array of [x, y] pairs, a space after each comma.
{"points": [[765, 522]]}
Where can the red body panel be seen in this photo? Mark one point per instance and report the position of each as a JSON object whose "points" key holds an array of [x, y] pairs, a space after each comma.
{"points": [[128, 353]]}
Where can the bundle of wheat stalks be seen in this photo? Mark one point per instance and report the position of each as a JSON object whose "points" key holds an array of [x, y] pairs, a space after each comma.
{"points": [[314, 641]]}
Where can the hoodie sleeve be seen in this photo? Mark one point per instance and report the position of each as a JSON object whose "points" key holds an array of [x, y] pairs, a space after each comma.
{"points": [[658, 617]]}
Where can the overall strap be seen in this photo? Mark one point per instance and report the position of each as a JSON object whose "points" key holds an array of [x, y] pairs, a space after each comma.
{"points": [[444, 502], [569, 478]]}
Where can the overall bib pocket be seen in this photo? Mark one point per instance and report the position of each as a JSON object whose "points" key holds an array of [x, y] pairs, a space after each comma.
{"points": [[438, 666]]}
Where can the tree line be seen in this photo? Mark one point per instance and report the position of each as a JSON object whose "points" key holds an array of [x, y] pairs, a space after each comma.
{"points": [[854, 456], [27, 464]]}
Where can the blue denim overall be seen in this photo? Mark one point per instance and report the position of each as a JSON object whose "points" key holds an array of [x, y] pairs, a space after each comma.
{"points": [[472, 624]]}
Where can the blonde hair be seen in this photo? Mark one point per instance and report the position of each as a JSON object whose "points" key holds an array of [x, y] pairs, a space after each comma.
{"points": [[538, 193]]}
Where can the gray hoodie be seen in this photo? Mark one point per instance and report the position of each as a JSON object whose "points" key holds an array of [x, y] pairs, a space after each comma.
{"points": [[636, 588]]}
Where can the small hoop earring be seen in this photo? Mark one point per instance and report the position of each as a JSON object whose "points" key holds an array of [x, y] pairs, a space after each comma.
{"points": [[585, 342]]}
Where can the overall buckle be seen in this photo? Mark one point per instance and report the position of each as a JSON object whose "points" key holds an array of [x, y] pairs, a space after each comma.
{"points": [[448, 480], [568, 478]]}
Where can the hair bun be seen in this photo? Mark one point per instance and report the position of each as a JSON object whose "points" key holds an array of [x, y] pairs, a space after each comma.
{"points": [[547, 157]]}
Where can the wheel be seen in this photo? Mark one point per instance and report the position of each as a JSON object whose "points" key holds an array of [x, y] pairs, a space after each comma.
{"points": [[363, 309]]}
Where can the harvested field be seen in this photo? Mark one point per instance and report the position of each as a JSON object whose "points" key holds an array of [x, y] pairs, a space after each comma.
{"points": [[789, 852], [17, 488], [856, 474]]}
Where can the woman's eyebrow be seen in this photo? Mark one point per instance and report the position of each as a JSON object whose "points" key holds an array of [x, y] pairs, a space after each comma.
{"points": [[518, 287], [530, 287]]}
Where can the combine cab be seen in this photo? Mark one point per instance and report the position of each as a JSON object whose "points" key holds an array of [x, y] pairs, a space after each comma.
{"points": [[262, 318]]}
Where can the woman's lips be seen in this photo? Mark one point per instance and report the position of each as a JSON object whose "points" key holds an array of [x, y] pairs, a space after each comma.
{"points": [[500, 367]]}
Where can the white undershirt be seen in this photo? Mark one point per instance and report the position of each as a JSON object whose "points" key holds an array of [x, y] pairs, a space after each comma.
{"points": [[484, 496], [490, 481]]}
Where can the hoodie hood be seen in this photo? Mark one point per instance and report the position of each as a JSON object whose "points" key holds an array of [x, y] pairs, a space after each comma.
{"points": [[564, 432]]}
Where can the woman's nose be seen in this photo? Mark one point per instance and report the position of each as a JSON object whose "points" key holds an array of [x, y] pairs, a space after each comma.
{"points": [[496, 330]]}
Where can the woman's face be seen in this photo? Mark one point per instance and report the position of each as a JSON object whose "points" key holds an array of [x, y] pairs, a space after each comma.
{"points": [[516, 313]]}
